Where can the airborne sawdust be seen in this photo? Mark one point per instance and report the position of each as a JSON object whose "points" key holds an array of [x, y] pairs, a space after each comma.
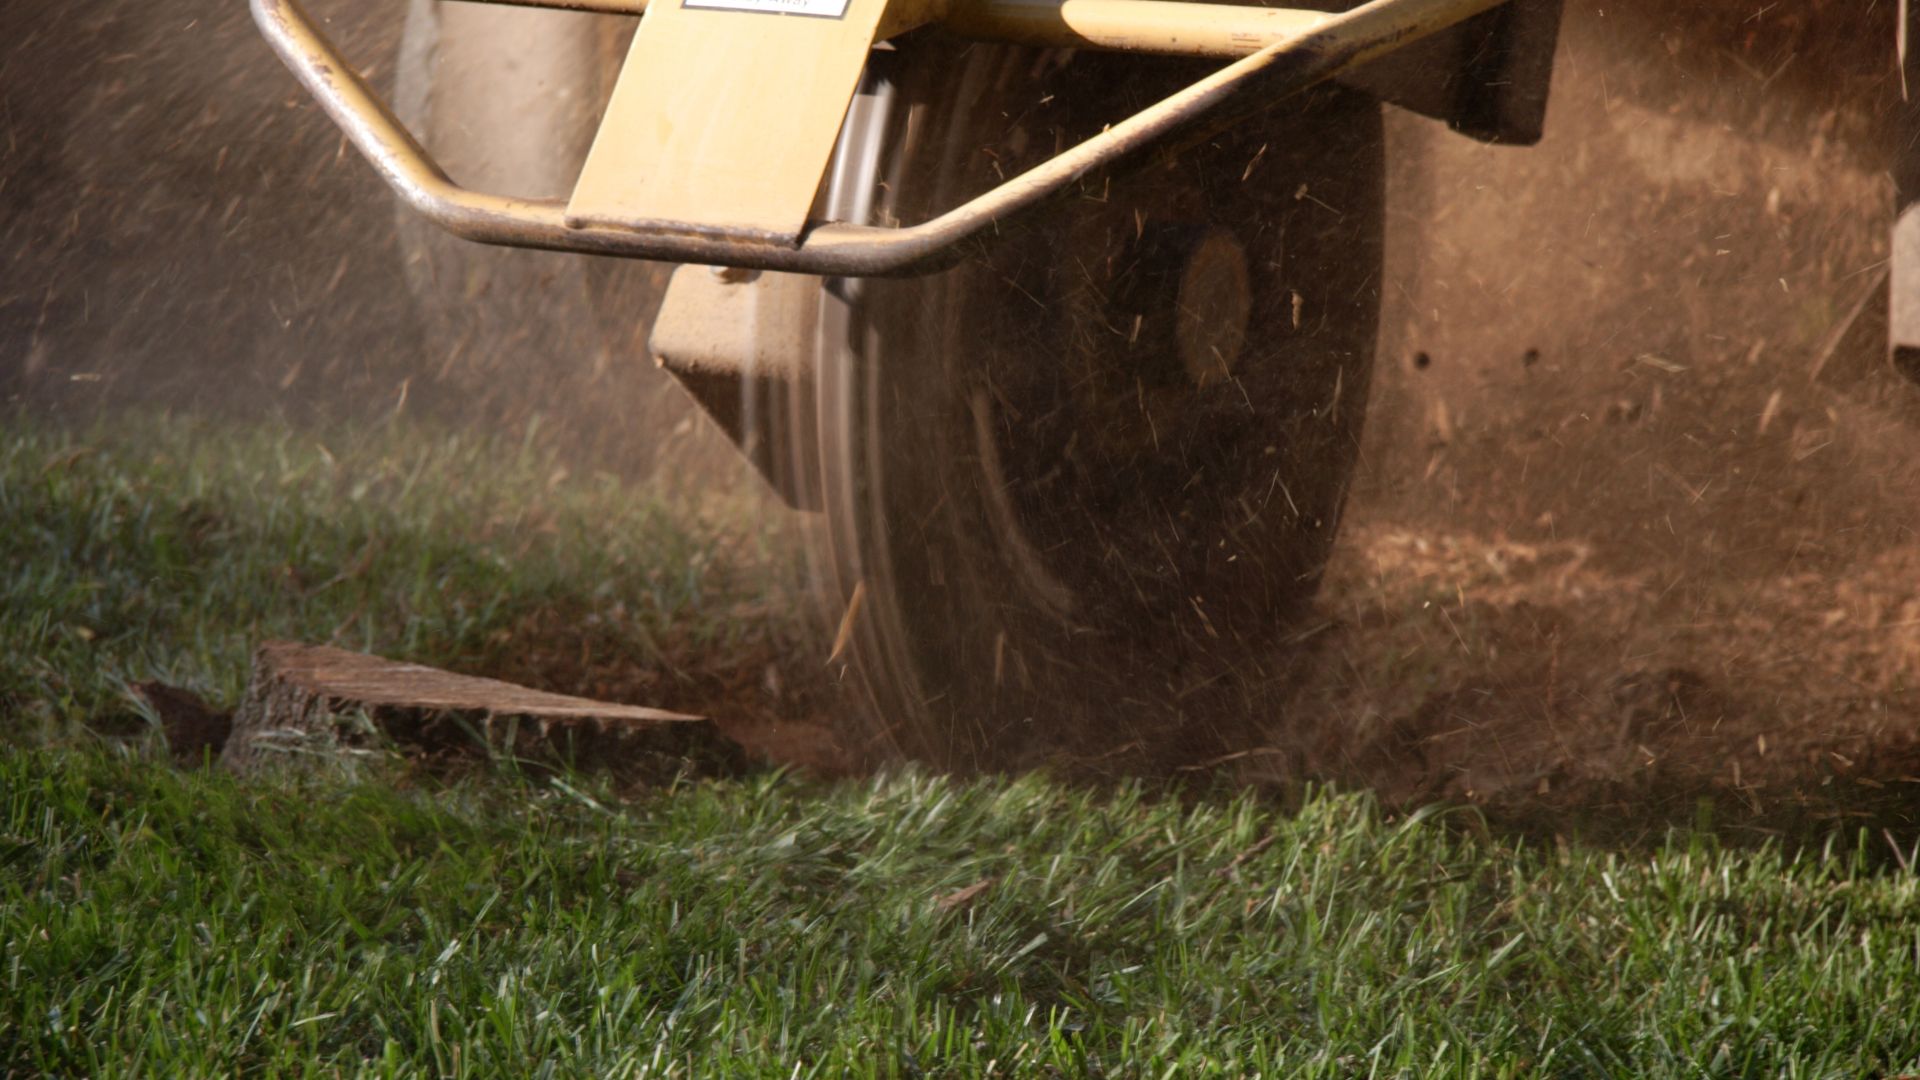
{"points": [[1636, 528], [1574, 580]]}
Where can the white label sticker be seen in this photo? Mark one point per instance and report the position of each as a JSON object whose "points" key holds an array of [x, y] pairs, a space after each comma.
{"points": [[819, 9]]}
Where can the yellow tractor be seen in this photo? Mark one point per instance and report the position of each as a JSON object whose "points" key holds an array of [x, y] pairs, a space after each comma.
{"points": [[1060, 314]]}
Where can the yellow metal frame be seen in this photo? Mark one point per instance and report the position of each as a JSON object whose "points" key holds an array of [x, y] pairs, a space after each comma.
{"points": [[1280, 53], [1164, 27], [723, 120]]}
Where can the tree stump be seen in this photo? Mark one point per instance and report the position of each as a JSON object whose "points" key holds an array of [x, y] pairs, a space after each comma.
{"points": [[308, 699]]}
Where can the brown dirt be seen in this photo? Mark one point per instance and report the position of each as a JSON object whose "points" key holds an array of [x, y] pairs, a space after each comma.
{"points": [[765, 690], [195, 731], [1637, 528]]}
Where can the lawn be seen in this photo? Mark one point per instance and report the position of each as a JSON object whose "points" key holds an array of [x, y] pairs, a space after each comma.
{"points": [[168, 549], [157, 922]]}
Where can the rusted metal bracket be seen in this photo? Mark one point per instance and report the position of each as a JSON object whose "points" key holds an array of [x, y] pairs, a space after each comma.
{"points": [[1293, 62]]}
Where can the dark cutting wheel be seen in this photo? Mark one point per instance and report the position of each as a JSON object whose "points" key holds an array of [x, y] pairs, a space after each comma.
{"points": [[1085, 481]]}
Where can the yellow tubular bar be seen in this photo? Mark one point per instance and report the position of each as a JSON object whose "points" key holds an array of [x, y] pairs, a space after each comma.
{"points": [[599, 7], [1165, 27], [1278, 70], [1156, 26]]}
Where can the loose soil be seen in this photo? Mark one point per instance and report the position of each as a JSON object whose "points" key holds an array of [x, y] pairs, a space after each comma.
{"points": [[1637, 532]]}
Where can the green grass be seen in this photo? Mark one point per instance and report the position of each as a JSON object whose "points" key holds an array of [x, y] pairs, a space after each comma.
{"points": [[168, 549], [163, 923], [176, 924]]}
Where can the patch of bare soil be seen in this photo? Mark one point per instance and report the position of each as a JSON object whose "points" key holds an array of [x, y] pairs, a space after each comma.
{"points": [[1524, 677], [763, 685], [1636, 539]]}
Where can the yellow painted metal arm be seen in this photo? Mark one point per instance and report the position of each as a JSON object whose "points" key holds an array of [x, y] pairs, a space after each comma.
{"points": [[1285, 67], [1162, 27], [724, 119]]}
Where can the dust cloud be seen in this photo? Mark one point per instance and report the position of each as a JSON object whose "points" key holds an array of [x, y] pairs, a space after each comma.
{"points": [[1635, 529], [184, 230]]}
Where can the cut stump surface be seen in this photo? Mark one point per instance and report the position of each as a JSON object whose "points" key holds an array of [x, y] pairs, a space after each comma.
{"points": [[298, 692]]}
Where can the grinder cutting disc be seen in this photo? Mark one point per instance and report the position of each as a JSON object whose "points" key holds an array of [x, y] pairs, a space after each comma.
{"points": [[1076, 488]]}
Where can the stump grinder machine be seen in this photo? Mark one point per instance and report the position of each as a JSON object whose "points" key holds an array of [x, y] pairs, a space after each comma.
{"points": [[1058, 314]]}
